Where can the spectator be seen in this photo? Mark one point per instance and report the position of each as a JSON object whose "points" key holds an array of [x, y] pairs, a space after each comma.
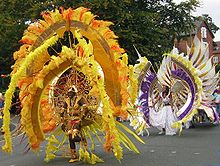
{"points": [[1, 101], [217, 99], [1, 104]]}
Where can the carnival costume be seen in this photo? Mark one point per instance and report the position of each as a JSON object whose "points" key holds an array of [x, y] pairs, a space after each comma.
{"points": [[191, 79], [72, 76]]}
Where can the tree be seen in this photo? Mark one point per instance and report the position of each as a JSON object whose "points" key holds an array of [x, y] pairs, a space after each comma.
{"points": [[217, 68], [148, 24]]}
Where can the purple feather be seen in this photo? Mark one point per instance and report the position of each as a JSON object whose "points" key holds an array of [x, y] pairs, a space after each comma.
{"points": [[184, 76]]}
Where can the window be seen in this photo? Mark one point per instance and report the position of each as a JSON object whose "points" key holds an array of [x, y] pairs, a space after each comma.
{"points": [[216, 48], [205, 44], [215, 59], [203, 33]]}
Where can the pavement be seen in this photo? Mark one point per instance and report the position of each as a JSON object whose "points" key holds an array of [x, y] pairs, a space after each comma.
{"points": [[13, 124], [199, 146]]}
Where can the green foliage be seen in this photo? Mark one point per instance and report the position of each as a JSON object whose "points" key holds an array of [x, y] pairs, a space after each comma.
{"points": [[148, 24], [217, 68]]}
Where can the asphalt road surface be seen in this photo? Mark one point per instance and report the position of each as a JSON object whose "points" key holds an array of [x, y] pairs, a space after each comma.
{"points": [[199, 146]]}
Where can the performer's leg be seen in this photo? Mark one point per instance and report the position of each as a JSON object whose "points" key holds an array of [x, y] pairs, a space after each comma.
{"points": [[162, 131], [83, 142], [72, 149]]}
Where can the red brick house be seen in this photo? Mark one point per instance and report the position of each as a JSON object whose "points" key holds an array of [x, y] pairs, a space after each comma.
{"points": [[203, 32], [216, 53]]}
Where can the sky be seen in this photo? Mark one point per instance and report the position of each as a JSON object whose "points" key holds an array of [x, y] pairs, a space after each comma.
{"points": [[212, 8]]}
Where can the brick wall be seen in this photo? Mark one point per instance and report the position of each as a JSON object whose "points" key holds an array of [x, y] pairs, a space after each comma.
{"points": [[216, 53]]}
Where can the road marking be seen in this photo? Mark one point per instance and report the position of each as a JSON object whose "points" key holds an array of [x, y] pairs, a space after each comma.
{"points": [[196, 153], [152, 151]]}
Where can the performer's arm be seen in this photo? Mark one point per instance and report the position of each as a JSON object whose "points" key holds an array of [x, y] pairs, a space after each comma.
{"points": [[159, 98], [171, 101]]}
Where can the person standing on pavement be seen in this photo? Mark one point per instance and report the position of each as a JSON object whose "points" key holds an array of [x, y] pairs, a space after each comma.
{"points": [[1, 109], [217, 99], [1, 103]]}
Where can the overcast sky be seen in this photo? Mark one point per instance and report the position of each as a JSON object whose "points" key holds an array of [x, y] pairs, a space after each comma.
{"points": [[212, 8]]}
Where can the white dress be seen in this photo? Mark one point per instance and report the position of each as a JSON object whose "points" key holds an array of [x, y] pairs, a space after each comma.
{"points": [[164, 118]]}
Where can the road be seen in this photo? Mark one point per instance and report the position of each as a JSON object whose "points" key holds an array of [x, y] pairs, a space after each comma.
{"points": [[199, 146]]}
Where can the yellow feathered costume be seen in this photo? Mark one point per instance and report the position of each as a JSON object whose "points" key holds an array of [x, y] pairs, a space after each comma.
{"points": [[64, 40]]}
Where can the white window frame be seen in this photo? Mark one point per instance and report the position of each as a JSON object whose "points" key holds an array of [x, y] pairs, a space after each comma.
{"points": [[215, 59], [203, 32]]}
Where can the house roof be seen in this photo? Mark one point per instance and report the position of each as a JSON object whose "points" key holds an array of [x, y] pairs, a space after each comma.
{"points": [[198, 25]]}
